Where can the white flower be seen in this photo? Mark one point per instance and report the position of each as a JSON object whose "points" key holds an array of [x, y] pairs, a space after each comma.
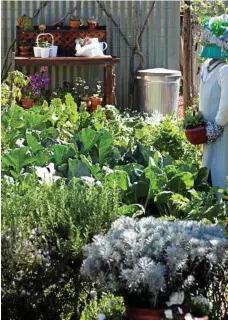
{"points": [[168, 314], [54, 117], [101, 316], [176, 298], [20, 142]]}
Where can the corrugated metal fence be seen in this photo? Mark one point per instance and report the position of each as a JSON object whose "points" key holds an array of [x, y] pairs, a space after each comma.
{"points": [[160, 41]]}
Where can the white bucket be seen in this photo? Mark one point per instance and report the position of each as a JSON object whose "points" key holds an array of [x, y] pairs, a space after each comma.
{"points": [[44, 52], [53, 51], [37, 53]]}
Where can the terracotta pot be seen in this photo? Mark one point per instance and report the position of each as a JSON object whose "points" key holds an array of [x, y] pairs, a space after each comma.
{"points": [[196, 136], [27, 103], [143, 314], [92, 25], [23, 51], [75, 24], [95, 101]]}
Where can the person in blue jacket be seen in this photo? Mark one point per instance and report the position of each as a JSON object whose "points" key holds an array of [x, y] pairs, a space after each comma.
{"points": [[214, 100]]}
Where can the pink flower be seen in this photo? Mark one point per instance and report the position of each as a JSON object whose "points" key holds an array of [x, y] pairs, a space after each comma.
{"points": [[43, 69]]}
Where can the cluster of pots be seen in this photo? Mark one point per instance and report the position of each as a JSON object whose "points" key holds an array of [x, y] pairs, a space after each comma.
{"points": [[77, 23], [45, 52]]}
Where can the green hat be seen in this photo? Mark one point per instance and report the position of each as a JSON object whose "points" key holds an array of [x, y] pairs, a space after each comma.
{"points": [[215, 37], [215, 52]]}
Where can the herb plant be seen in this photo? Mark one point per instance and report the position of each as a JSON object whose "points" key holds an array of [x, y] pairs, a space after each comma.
{"points": [[147, 260], [193, 120]]}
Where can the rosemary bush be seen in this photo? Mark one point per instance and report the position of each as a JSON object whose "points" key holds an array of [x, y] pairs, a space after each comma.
{"points": [[43, 231], [146, 260]]}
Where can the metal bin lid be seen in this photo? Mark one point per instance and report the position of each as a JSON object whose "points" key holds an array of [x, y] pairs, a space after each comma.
{"points": [[159, 72]]}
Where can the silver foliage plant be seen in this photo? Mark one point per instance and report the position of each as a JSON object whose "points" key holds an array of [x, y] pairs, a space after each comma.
{"points": [[145, 260]]}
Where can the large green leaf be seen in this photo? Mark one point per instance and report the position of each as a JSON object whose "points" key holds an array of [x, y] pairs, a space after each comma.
{"points": [[77, 169], [94, 168], [88, 137], [181, 182], [35, 121], [163, 197], [33, 143], [157, 178], [105, 145], [14, 118], [62, 153], [202, 176], [170, 171], [16, 159], [131, 210], [42, 158], [118, 178], [134, 170]]}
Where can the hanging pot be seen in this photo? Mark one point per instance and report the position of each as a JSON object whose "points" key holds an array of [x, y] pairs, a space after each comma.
{"points": [[196, 135], [27, 103]]}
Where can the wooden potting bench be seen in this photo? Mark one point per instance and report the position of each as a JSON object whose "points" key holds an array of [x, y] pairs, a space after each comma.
{"points": [[65, 38]]}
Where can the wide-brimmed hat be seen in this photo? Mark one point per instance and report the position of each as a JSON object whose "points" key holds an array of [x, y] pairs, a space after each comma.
{"points": [[215, 37]]}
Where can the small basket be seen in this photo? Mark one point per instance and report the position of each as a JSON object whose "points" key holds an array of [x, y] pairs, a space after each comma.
{"points": [[52, 50], [44, 34], [196, 135]]}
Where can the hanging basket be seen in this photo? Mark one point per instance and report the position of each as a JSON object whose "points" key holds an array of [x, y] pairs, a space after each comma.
{"points": [[196, 135]]}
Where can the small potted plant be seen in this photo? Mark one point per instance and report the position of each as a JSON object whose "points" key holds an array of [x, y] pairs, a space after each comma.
{"points": [[194, 125], [158, 266], [33, 90], [82, 91], [44, 49], [93, 22], [25, 23], [24, 48], [75, 22], [27, 99], [96, 98]]}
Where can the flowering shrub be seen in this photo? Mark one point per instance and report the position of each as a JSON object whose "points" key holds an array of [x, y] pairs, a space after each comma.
{"points": [[37, 83], [97, 88]]}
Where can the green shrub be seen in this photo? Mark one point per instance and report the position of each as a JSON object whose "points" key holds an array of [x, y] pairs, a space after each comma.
{"points": [[44, 230]]}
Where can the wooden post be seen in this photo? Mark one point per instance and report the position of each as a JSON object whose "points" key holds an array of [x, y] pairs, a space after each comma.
{"points": [[186, 55]]}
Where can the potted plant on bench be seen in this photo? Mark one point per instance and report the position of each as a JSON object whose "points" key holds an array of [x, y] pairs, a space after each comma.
{"points": [[93, 22], [96, 98], [75, 22], [159, 267], [24, 48], [194, 125]]}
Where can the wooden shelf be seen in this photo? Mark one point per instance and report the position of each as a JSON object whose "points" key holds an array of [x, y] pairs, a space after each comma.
{"points": [[65, 38], [65, 61]]}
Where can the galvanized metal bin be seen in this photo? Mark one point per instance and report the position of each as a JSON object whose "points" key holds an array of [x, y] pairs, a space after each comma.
{"points": [[157, 90]]}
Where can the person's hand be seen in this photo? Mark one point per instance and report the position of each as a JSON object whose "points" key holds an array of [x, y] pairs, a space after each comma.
{"points": [[213, 131]]}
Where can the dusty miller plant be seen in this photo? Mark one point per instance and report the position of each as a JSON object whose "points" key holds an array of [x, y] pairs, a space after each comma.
{"points": [[146, 260]]}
